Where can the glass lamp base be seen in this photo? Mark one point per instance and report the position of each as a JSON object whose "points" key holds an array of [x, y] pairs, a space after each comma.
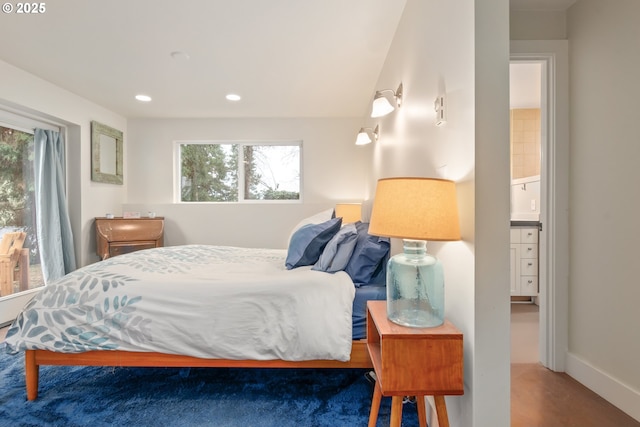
{"points": [[415, 287]]}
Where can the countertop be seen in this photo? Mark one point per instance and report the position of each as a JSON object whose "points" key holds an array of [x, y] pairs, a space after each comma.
{"points": [[525, 223]]}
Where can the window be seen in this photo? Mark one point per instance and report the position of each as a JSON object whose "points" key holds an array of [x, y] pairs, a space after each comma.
{"points": [[17, 200], [17, 207], [238, 171]]}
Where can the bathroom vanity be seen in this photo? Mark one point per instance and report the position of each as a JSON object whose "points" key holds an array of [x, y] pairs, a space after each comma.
{"points": [[524, 258]]}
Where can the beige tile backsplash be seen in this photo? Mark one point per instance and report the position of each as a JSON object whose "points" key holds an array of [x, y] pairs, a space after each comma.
{"points": [[525, 142]]}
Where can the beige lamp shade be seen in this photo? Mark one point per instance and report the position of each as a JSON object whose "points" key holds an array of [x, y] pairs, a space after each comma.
{"points": [[350, 212], [415, 208]]}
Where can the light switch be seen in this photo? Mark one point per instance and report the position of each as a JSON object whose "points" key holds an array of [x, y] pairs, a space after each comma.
{"points": [[533, 204]]}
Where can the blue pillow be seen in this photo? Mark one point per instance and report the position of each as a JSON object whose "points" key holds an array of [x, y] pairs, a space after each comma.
{"points": [[338, 251], [308, 242], [368, 261]]}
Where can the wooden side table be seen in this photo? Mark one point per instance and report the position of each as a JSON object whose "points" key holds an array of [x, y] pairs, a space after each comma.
{"points": [[413, 362], [117, 236]]}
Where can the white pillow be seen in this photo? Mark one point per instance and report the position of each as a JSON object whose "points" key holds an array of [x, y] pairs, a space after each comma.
{"points": [[318, 218]]}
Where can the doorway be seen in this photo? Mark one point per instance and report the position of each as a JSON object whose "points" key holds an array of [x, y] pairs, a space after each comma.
{"points": [[526, 141], [553, 245]]}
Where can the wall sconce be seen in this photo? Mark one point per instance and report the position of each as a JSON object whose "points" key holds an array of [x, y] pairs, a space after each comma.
{"points": [[385, 101], [441, 117], [367, 135]]}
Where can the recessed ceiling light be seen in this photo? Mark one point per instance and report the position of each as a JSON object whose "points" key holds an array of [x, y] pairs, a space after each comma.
{"points": [[233, 97], [143, 98]]}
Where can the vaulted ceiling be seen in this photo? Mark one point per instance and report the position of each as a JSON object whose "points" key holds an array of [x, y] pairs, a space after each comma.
{"points": [[285, 58]]}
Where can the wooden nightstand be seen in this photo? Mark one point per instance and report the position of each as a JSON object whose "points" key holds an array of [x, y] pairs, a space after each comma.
{"points": [[413, 362], [117, 236]]}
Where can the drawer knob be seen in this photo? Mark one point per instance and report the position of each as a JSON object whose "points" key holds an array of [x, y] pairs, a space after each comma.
{"points": [[530, 264]]}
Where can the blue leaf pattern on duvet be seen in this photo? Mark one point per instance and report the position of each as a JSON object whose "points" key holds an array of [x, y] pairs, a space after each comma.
{"points": [[137, 302], [78, 313], [84, 311]]}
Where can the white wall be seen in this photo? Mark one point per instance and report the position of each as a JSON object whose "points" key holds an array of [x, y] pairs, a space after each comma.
{"points": [[604, 343], [334, 170], [24, 92], [525, 199], [460, 49], [602, 348], [538, 25]]}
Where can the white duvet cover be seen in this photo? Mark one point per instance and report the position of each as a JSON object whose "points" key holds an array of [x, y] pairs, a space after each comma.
{"points": [[202, 301]]}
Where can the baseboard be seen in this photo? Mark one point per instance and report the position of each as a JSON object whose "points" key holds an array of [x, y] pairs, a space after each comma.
{"points": [[611, 389]]}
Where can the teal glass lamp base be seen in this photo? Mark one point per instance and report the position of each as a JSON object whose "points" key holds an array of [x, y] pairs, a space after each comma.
{"points": [[415, 287]]}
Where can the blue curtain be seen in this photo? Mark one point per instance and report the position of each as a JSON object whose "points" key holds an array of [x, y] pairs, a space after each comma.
{"points": [[55, 239]]}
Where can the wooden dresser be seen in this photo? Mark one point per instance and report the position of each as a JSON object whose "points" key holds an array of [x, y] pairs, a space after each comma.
{"points": [[117, 236]]}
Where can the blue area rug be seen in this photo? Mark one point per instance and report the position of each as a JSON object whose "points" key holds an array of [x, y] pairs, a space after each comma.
{"points": [[105, 396]]}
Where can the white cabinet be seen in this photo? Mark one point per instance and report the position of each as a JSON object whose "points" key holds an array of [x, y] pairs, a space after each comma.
{"points": [[524, 261]]}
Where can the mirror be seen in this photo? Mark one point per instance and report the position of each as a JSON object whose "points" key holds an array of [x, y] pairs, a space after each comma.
{"points": [[106, 154]]}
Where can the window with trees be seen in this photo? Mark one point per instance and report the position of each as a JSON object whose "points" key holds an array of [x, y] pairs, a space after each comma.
{"points": [[17, 197], [238, 171]]}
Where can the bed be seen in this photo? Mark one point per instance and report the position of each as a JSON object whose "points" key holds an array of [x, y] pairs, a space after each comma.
{"points": [[212, 306]]}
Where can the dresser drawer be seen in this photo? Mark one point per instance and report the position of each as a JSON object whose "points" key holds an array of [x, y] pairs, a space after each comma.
{"points": [[122, 248], [528, 285], [529, 267], [528, 251], [529, 235]]}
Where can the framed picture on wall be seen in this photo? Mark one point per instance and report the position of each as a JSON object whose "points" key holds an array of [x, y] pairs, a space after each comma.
{"points": [[106, 154]]}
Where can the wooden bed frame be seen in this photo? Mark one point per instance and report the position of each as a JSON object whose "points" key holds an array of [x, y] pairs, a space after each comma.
{"points": [[36, 358]]}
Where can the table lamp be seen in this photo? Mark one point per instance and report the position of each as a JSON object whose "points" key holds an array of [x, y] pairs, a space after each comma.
{"points": [[415, 210], [350, 212]]}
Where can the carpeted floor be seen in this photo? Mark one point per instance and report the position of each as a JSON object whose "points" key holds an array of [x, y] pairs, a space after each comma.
{"points": [[95, 396]]}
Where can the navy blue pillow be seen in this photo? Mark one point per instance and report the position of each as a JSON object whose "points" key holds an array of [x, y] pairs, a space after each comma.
{"points": [[308, 242], [368, 261]]}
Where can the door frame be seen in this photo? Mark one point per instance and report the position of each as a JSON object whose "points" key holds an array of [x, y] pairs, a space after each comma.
{"points": [[554, 209]]}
